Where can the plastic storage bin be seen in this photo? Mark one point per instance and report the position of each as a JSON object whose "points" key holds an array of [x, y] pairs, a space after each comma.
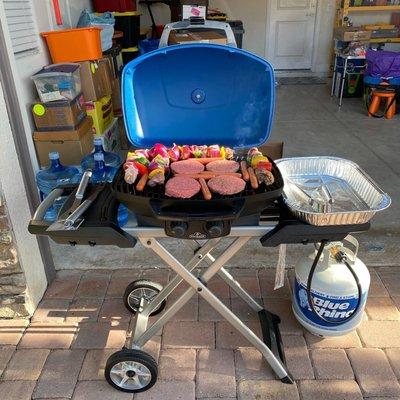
{"points": [[70, 45], [129, 24], [58, 82], [102, 6], [129, 54]]}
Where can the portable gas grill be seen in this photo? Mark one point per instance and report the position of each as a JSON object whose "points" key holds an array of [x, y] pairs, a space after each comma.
{"points": [[191, 94]]}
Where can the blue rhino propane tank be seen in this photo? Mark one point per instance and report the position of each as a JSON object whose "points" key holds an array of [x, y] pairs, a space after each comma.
{"points": [[334, 290]]}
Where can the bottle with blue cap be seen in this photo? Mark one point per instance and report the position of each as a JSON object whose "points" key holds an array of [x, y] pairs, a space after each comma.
{"points": [[110, 159], [49, 178], [102, 173]]}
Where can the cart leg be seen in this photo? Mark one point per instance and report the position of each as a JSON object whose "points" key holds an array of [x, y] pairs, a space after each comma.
{"points": [[200, 254], [229, 280], [146, 308], [197, 285], [140, 337], [342, 82], [333, 87]]}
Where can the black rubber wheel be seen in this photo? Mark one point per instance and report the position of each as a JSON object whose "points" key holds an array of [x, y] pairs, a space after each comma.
{"points": [[131, 371], [142, 288]]}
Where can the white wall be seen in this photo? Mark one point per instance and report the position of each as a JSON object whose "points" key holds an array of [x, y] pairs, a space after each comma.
{"points": [[18, 207]]}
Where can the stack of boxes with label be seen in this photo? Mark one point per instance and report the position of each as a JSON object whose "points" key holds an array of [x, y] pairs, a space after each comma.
{"points": [[101, 91], [78, 94], [60, 117]]}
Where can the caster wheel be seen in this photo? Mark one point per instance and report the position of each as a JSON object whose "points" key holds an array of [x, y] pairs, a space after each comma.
{"points": [[131, 371], [142, 288]]}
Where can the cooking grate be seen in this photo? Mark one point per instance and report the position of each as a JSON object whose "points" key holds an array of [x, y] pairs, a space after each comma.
{"points": [[158, 192]]}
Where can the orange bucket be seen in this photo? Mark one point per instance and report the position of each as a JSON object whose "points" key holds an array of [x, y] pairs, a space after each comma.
{"points": [[72, 45]]}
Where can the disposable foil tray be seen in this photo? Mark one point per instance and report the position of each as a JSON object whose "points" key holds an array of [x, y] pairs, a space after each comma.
{"points": [[330, 191]]}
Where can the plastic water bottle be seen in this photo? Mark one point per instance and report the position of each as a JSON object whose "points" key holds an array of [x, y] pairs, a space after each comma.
{"points": [[49, 178], [110, 159], [102, 173]]}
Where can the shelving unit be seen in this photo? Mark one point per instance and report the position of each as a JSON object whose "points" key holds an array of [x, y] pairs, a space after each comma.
{"points": [[346, 9], [373, 8]]}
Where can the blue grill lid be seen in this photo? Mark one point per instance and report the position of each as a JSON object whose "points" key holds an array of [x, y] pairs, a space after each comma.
{"points": [[198, 94]]}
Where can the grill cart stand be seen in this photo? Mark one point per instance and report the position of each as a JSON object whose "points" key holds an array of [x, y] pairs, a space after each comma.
{"points": [[270, 346], [132, 369]]}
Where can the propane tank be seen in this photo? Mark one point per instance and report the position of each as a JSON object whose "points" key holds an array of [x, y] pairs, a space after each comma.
{"points": [[334, 290]]}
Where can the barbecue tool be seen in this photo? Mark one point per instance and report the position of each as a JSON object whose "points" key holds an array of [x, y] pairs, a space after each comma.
{"points": [[71, 219]]}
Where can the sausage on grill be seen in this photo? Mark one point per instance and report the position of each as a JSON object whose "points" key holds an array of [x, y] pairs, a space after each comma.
{"points": [[226, 185], [187, 167], [223, 166], [182, 187]]}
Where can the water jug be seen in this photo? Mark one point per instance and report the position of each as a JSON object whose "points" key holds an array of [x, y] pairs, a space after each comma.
{"points": [[110, 159]]}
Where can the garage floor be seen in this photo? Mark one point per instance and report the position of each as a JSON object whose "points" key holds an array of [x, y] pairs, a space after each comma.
{"points": [[81, 321], [310, 123]]}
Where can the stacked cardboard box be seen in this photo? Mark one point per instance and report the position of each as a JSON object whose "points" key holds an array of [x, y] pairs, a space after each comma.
{"points": [[68, 126]]}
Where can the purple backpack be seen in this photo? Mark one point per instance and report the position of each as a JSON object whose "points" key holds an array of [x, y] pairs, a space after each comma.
{"points": [[383, 64]]}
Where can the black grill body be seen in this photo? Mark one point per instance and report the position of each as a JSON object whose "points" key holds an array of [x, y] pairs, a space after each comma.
{"points": [[196, 218]]}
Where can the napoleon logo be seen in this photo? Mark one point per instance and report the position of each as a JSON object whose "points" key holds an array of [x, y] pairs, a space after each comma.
{"points": [[197, 235]]}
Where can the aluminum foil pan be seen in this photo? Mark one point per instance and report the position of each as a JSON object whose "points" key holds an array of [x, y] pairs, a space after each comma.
{"points": [[330, 191]]}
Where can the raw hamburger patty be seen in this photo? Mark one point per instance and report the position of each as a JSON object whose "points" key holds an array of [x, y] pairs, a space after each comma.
{"points": [[182, 187], [226, 185], [187, 167], [223, 166]]}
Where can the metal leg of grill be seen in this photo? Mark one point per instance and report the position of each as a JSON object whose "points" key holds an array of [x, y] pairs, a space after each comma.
{"points": [[146, 308], [140, 335], [269, 322], [200, 253], [198, 285]]}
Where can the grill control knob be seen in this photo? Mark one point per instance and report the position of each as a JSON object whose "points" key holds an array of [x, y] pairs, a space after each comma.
{"points": [[215, 228], [179, 228]]}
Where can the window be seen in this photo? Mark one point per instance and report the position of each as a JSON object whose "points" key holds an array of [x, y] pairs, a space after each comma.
{"points": [[21, 25]]}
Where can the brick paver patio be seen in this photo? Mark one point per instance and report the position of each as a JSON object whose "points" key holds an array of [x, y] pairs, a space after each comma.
{"points": [[81, 321]]}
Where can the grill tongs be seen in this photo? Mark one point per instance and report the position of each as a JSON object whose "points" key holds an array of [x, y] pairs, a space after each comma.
{"points": [[71, 219]]}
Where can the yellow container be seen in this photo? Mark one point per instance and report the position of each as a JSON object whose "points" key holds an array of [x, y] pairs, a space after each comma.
{"points": [[102, 114]]}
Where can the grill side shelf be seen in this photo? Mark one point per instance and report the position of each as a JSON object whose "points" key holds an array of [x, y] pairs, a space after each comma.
{"points": [[291, 230], [99, 227]]}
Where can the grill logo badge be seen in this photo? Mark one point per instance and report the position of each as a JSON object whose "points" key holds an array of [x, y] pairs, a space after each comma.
{"points": [[197, 235]]}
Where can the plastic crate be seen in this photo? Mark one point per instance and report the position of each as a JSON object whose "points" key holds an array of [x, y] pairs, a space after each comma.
{"points": [[58, 82], [129, 54], [129, 24], [71, 45]]}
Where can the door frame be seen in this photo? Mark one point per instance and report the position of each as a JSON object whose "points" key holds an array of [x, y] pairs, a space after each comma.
{"points": [[317, 28]]}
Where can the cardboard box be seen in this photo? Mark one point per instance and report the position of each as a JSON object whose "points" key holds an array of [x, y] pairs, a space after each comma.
{"points": [[101, 112], [116, 97], [111, 137], [203, 36], [352, 34], [272, 149], [59, 115], [71, 145], [96, 79]]}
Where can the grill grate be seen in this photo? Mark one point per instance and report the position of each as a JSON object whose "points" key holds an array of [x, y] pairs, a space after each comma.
{"points": [[158, 192]]}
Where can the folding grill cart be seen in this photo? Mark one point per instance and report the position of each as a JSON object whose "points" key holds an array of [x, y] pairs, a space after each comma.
{"points": [[188, 94]]}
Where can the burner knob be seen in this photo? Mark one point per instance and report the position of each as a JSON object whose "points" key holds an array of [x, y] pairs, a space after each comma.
{"points": [[215, 228], [179, 228]]}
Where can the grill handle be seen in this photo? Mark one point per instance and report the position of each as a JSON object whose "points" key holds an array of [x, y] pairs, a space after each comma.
{"points": [[197, 213]]}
